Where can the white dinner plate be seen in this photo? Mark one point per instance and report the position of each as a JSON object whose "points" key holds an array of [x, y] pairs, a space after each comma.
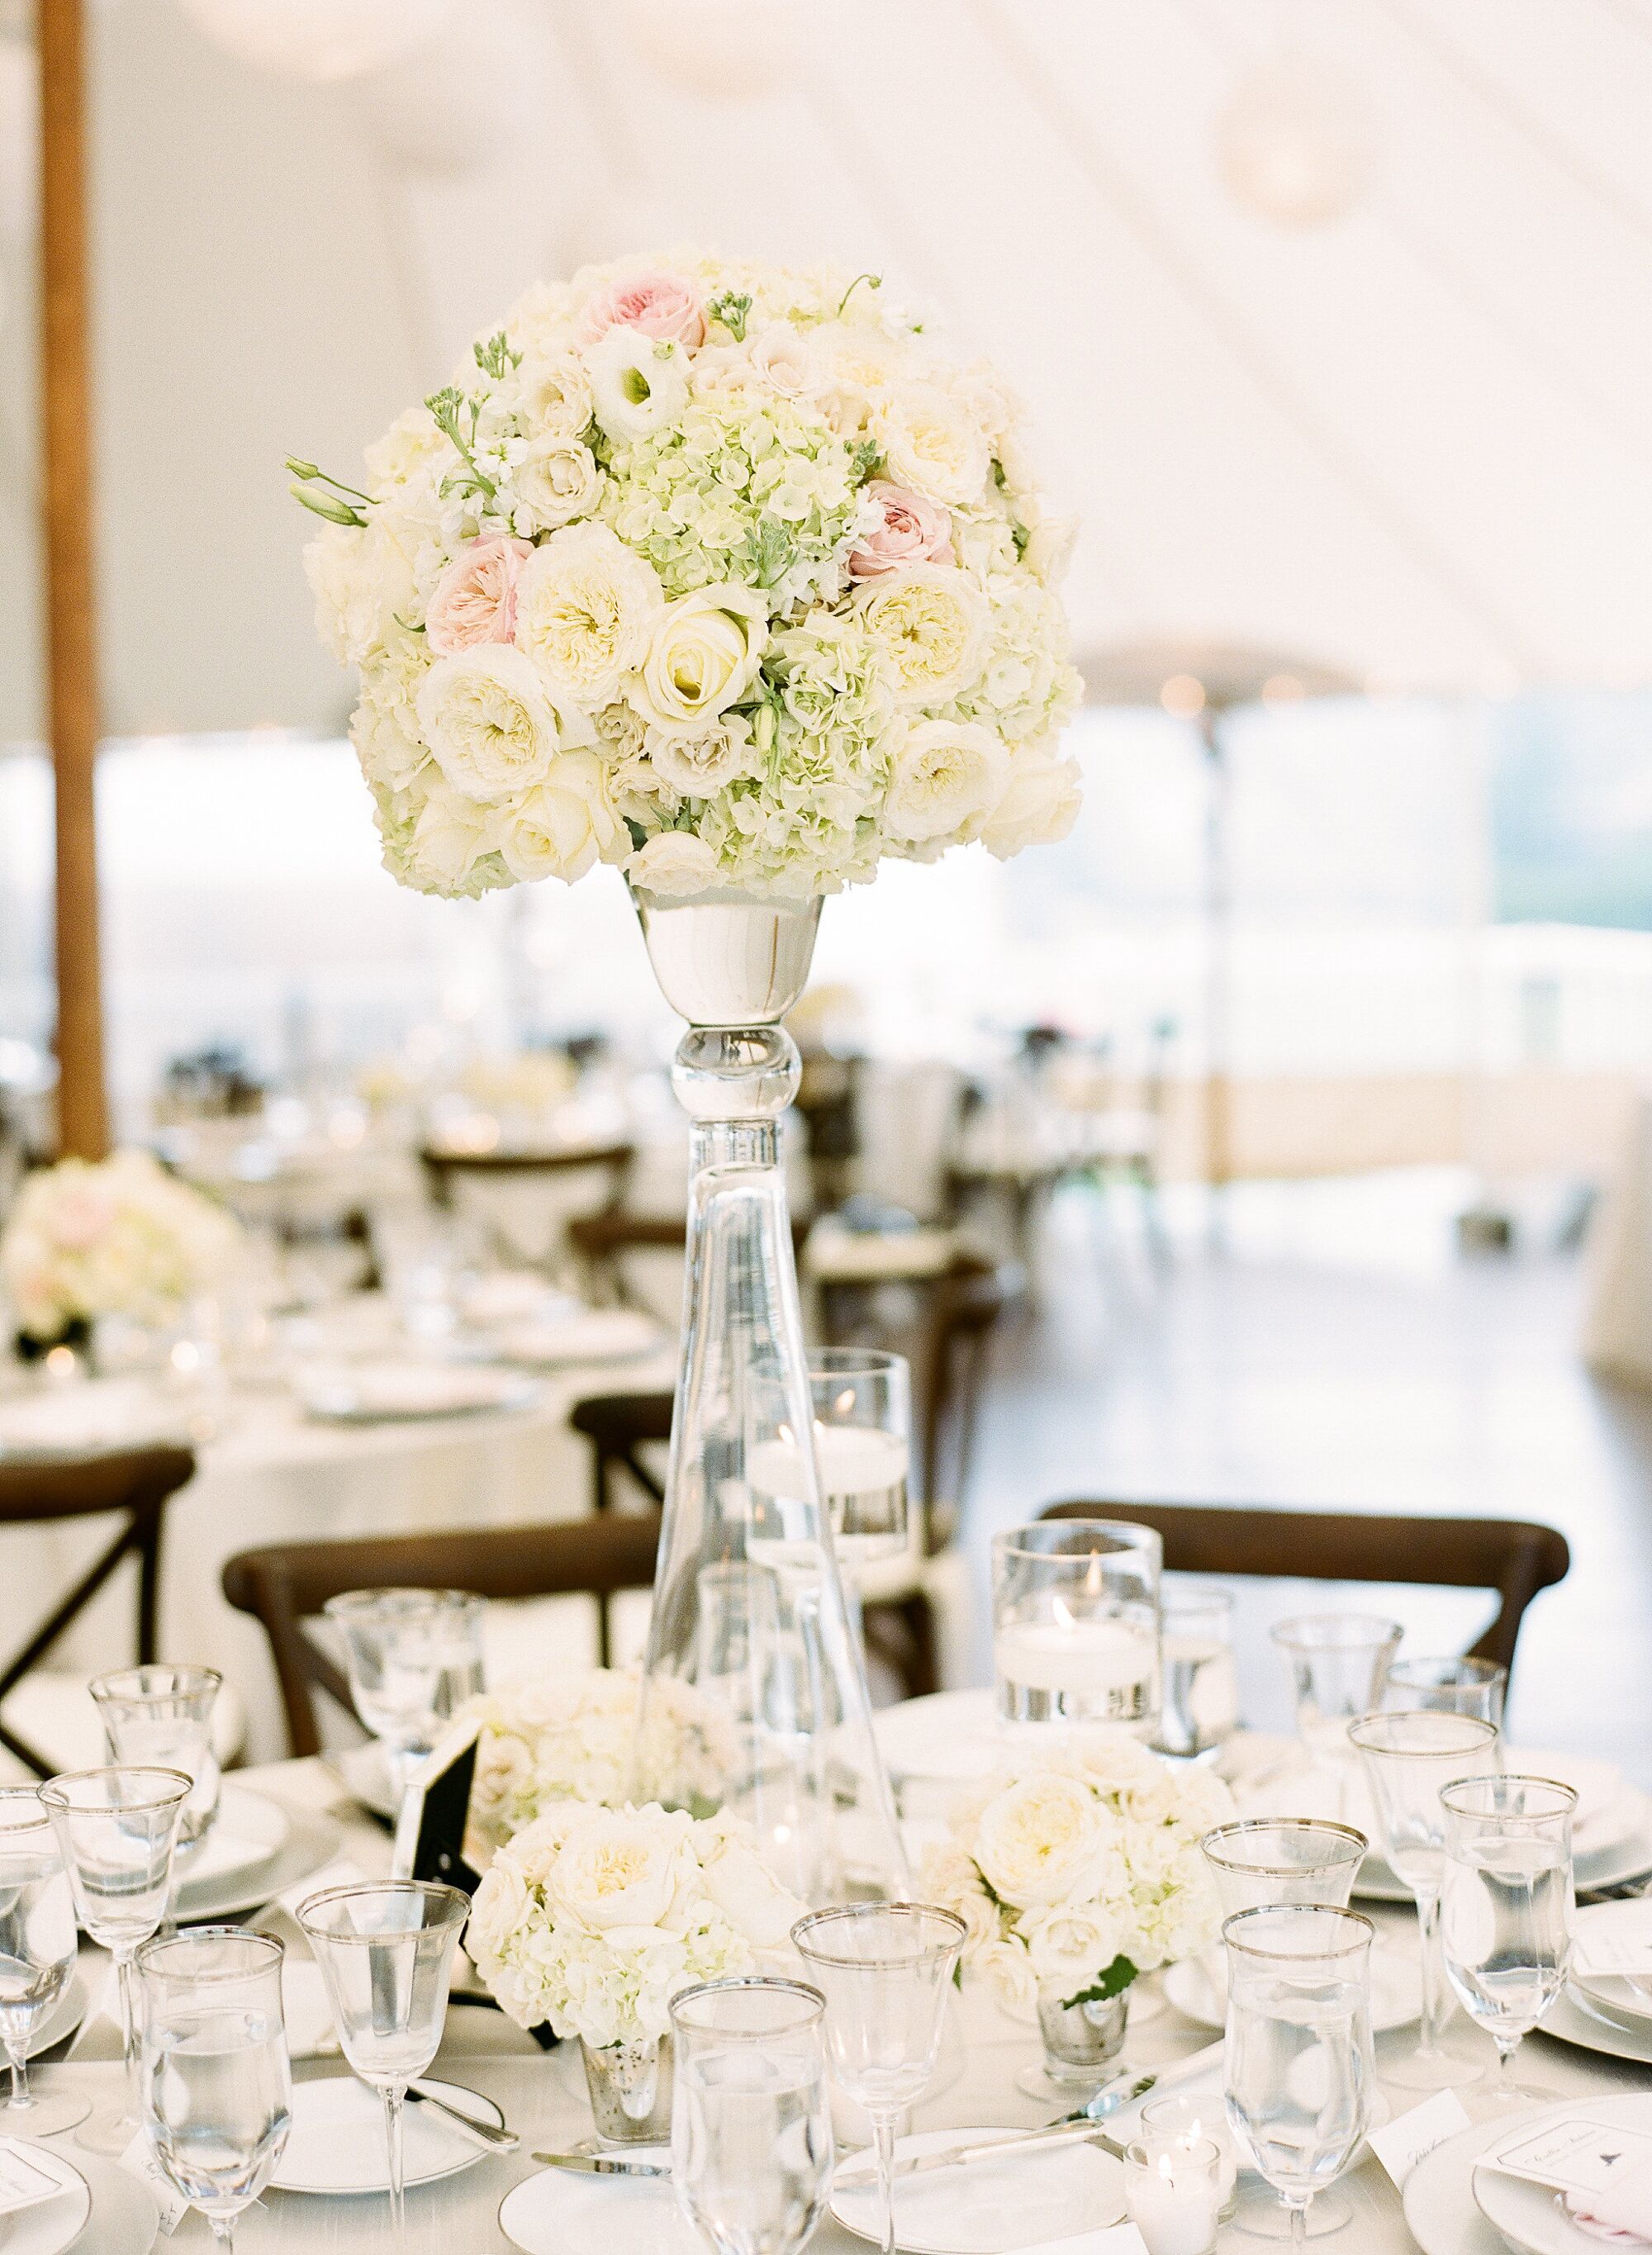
{"points": [[1628, 1856], [336, 2145], [1529, 2215], [561, 2212], [54, 2224], [1624, 1998], [125, 2220], [1440, 2209], [1198, 1988], [310, 1842], [1573, 2019], [247, 1833], [395, 1392], [594, 1335], [987, 2208]]}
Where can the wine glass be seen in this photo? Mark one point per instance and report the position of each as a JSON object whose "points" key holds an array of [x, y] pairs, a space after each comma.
{"points": [[1410, 1758], [163, 1713], [1300, 2070], [1505, 1909], [883, 1969], [386, 1954], [217, 2080], [1283, 1862], [751, 2128], [37, 1954], [1450, 1685], [414, 1656], [1338, 1666], [117, 1827]]}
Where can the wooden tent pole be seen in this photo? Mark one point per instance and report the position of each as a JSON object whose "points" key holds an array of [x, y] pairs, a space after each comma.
{"points": [[72, 687]]}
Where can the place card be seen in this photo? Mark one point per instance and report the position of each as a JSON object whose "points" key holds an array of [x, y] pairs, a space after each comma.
{"points": [[1411, 2137], [341, 1872], [24, 2183], [139, 2160], [1618, 1945], [1576, 2155]]}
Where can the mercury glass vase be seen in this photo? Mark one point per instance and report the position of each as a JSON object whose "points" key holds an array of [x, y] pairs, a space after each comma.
{"points": [[630, 2090], [1080, 2041], [755, 1697]]}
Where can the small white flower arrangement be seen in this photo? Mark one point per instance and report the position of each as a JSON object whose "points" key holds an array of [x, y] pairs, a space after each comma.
{"points": [[594, 1919], [574, 1737], [720, 572], [120, 1237], [1077, 1875]]}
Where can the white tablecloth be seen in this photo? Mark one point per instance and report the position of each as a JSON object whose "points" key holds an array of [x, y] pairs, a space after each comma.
{"points": [[1618, 1320]]}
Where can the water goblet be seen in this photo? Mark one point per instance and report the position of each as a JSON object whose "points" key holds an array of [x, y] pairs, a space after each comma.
{"points": [[162, 1714], [386, 1954], [1300, 2070], [118, 1828], [217, 2079], [37, 1954], [1281, 1863], [884, 1969], [1200, 1692], [1409, 1758], [1338, 1666], [414, 1656], [1451, 1685], [1506, 1910], [751, 2128]]}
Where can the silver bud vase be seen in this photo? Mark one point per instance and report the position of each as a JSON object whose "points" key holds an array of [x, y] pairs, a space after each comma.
{"points": [[1081, 2041], [631, 2087]]}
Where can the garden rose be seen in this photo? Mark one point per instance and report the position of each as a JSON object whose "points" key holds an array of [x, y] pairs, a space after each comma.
{"points": [[586, 609], [1040, 804], [556, 481], [657, 304], [912, 530], [674, 864], [1041, 1840], [620, 1868], [476, 598], [932, 443], [695, 766], [490, 726], [945, 776], [934, 624]]}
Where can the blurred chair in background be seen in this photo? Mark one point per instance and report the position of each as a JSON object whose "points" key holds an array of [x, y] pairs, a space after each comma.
{"points": [[526, 1200]]}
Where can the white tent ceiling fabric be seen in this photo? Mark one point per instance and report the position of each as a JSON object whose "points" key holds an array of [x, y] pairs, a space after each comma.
{"points": [[1410, 443]]}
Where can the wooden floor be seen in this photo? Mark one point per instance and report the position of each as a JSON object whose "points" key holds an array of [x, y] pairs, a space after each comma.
{"points": [[1339, 1352]]}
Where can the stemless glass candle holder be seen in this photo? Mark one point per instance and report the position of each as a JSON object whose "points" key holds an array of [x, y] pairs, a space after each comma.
{"points": [[1505, 1909], [414, 1657], [863, 1444], [161, 1714], [751, 2128], [1200, 1711], [37, 1956], [1173, 2194], [1076, 1623]]}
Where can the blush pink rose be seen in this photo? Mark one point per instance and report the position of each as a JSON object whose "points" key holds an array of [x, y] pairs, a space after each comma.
{"points": [[660, 305], [476, 598], [80, 1217], [914, 531]]}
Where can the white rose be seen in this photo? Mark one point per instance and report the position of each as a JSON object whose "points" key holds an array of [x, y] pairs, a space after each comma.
{"points": [[1071, 1947], [1006, 1965], [673, 864], [784, 359], [1051, 541], [586, 609], [699, 766], [563, 825], [638, 382], [619, 1867], [945, 776], [556, 481], [450, 837], [488, 722], [933, 622], [932, 443], [412, 442], [703, 655], [1040, 804], [555, 396], [1043, 1839], [746, 1892]]}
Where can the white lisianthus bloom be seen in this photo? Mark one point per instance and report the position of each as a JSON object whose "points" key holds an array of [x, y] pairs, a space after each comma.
{"points": [[697, 766], [703, 656], [1041, 1840], [933, 622], [586, 609], [946, 777], [638, 383], [450, 837], [1071, 1946], [622, 1868], [554, 397], [556, 481], [488, 722], [932, 443], [673, 864], [564, 825], [1040, 804]]}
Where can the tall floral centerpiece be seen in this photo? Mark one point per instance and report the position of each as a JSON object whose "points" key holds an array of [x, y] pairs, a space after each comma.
{"points": [[724, 575]]}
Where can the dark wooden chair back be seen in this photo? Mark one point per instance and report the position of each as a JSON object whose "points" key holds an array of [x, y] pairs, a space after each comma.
{"points": [[284, 1584], [954, 1359], [600, 1242], [135, 1483], [618, 1427], [1515, 1558], [445, 1169]]}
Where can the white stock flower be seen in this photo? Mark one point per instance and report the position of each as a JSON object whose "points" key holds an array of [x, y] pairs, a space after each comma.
{"points": [[933, 622], [556, 481], [554, 397], [488, 722], [586, 609], [638, 382], [674, 863], [703, 656], [947, 775], [932, 443], [564, 825], [699, 766], [1041, 1840], [1039, 806]]}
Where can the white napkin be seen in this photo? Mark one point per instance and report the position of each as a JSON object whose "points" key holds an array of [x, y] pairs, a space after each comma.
{"points": [[1117, 2239], [1621, 2216]]}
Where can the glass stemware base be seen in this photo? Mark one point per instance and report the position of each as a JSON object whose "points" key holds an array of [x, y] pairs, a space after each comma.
{"points": [[1260, 2215], [48, 2114], [1447, 2068]]}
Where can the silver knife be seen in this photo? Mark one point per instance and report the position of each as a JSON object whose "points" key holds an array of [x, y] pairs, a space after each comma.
{"points": [[1037, 2141], [604, 2165]]}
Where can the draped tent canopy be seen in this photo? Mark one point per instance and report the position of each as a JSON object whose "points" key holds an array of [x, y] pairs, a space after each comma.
{"points": [[1334, 319]]}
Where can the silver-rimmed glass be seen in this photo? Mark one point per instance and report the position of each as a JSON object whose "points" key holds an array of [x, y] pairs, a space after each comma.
{"points": [[751, 2127], [1283, 1862], [1450, 1685], [37, 1956], [161, 1714], [1338, 1666], [1505, 1909], [414, 1657]]}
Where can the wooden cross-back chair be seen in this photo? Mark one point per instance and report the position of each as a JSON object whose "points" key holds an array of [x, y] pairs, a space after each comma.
{"points": [[284, 1584], [39, 1491], [1514, 1558]]}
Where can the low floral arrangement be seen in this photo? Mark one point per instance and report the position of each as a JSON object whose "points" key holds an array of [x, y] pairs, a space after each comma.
{"points": [[594, 1919], [574, 1738], [719, 571], [1081, 1873], [120, 1237]]}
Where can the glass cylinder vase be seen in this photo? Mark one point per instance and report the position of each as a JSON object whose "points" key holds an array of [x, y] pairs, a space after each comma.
{"points": [[755, 1698]]}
